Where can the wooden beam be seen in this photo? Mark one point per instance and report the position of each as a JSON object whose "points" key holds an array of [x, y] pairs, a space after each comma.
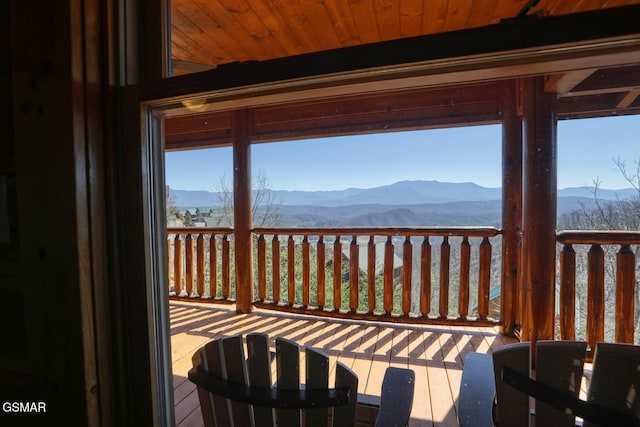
{"points": [[628, 99], [564, 82], [602, 38], [181, 67], [242, 210], [539, 211], [511, 205], [611, 80]]}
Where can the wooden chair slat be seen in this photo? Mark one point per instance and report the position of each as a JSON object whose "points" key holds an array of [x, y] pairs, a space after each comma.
{"points": [[559, 365], [206, 399], [221, 407], [288, 372], [345, 415], [615, 381], [235, 368], [513, 409], [259, 369], [238, 391], [317, 377]]}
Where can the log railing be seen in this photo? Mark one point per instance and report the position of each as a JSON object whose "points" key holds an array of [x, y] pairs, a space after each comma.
{"points": [[354, 272], [621, 293], [200, 263]]}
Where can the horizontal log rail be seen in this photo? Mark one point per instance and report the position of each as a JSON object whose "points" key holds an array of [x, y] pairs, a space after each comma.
{"points": [[376, 273], [212, 260], [623, 286]]}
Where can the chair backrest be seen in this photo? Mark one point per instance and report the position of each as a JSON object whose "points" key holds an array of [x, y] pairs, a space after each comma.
{"points": [[237, 390], [612, 396], [559, 364], [615, 381]]}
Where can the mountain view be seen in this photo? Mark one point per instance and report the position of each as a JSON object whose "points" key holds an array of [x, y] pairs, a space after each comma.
{"points": [[404, 203]]}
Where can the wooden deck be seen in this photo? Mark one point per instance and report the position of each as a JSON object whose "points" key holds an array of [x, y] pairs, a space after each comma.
{"points": [[435, 353]]}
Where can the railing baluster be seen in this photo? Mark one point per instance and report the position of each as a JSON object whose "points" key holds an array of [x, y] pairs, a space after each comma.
{"points": [[291, 270], [306, 271], [625, 298], [213, 267], [465, 266], [337, 274], [226, 267], [567, 292], [188, 259], [275, 268], [177, 265], [445, 256], [425, 277], [484, 278], [388, 276], [354, 274], [321, 258], [371, 274], [595, 284], [262, 268], [407, 271], [187, 249], [200, 265]]}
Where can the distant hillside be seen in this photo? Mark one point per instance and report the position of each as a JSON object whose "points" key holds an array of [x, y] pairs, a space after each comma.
{"points": [[405, 203]]}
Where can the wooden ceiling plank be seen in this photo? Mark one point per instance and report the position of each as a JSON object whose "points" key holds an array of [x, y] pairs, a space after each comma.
{"points": [[344, 22], [210, 40], [480, 13], [507, 10], [275, 23], [322, 23], [388, 17], [410, 18], [198, 46], [434, 15], [457, 15], [365, 19], [232, 31], [628, 99], [563, 83], [253, 24], [299, 24]]}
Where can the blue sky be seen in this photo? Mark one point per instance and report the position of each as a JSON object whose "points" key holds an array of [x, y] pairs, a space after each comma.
{"points": [[586, 149]]}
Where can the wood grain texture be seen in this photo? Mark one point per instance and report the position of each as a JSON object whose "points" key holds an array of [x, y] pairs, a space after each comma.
{"points": [[434, 353]]}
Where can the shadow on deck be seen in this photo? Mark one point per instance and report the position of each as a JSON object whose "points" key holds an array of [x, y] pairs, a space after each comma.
{"points": [[435, 353]]}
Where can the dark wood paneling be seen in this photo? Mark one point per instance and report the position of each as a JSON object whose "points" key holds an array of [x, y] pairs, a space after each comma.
{"points": [[403, 110]]}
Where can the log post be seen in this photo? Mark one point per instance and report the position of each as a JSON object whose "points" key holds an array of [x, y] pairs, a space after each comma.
{"points": [[511, 206], [539, 211], [625, 294], [242, 210]]}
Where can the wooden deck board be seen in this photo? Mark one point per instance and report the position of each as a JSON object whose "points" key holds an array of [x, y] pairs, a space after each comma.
{"points": [[435, 353]]}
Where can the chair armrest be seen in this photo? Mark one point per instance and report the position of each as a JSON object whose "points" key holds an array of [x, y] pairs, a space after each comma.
{"points": [[589, 411], [396, 399], [477, 391], [270, 397]]}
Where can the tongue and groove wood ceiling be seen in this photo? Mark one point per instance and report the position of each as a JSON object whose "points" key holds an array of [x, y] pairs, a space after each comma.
{"points": [[206, 34]]}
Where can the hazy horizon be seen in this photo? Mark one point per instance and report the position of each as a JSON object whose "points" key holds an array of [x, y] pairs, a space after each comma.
{"points": [[586, 152]]}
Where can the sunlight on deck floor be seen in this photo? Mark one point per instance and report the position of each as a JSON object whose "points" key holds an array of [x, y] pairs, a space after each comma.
{"points": [[435, 353]]}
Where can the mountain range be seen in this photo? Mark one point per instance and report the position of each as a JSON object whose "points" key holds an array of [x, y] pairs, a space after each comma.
{"points": [[398, 194], [404, 203]]}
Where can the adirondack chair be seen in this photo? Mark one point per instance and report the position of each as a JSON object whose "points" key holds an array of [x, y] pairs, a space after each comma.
{"points": [[235, 390], [496, 390]]}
